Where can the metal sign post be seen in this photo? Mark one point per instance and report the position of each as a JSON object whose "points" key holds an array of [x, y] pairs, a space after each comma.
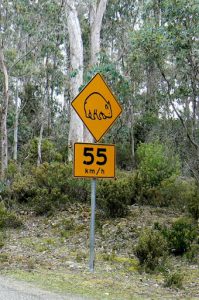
{"points": [[92, 225], [98, 108]]}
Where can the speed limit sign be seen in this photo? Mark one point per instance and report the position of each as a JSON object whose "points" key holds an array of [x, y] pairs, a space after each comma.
{"points": [[94, 160], [98, 108]]}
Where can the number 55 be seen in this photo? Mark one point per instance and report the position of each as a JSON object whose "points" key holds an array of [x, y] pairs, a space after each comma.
{"points": [[88, 152]]}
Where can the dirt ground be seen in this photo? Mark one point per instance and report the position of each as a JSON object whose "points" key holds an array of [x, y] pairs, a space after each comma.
{"points": [[53, 253]]}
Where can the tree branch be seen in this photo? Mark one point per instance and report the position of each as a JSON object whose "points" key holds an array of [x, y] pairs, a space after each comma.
{"points": [[190, 138], [23, 56]]}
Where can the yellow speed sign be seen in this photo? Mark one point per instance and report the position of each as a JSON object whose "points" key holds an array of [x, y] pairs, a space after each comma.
{"points": [[94, 160]]}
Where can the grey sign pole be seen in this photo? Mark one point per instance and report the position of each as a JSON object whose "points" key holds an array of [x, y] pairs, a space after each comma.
{"points": [[92, 225]]}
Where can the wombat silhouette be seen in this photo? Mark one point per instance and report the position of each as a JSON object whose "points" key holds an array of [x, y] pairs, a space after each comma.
{"points": [[96, 107]]}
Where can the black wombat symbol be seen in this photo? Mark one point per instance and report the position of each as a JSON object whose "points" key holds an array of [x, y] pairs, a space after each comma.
{"points": [[96, 106]]}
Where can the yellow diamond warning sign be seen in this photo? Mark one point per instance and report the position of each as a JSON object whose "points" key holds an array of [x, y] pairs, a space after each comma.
{"points": [[97, 107], [94, 160]]}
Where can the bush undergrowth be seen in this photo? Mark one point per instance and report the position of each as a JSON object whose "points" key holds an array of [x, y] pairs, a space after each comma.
{"points": [[114, 196], [8, 219], [151, 249]]}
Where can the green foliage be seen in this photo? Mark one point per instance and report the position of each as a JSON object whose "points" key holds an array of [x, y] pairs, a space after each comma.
{"points": [[174, 280], [42, 203], [12, 170], [30, 101], [124, 155], [52, 185], [151, 249], [113, 196], [181, 235], [23, 188], [193, 204], [66, 227], [48, 186], [157, 171], [8, 219], [48, 149], [156, 163], [174, 191], [2, 240], [144, 126], [57, 178], [192, 254]]}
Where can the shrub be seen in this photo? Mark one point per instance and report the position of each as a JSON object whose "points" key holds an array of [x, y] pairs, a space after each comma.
{"points": [[23, 188], [193, 204], [177, 192], [7, 218], [181, 235], [42, 204], [48, 186], [151, 249], [124, 156], [155, 164], [57, 179], [12, 170], [174, 279], [52, 185], [173, 191], [192, 253], [113, 196], [49, 151], [2, 240]]}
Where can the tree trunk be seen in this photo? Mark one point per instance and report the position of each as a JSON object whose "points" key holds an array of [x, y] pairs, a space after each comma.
{"points": [[151, 106], [4, 112], [39, 146], [44, 114], [16, 122], [96, 16], [132, 132], [76, 57]]}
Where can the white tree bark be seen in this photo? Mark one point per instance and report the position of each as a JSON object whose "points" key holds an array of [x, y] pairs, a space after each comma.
{"points": [[4, 113], [76, 57], [96, 15]]}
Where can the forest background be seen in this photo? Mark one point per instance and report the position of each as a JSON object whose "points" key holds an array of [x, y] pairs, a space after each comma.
{"points": [[148, 53]]}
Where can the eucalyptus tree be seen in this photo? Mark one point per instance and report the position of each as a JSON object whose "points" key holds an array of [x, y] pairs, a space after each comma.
{"points": [[4, 113], [6, 9], [96, 13], [121, 19], [76, 64], [94, 16], [181, 70], [31, 35], [51, 60], [166, 40], [44, 79]]}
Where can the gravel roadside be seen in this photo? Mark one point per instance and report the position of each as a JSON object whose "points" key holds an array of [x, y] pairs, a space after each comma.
{"points": [[15, 290]]}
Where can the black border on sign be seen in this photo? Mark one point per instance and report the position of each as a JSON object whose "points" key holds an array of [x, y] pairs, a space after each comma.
{"points": [[93, 144], [113, 97]]}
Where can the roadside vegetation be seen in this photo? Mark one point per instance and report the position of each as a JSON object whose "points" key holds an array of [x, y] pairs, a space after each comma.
{"points": [[147, 233]]}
